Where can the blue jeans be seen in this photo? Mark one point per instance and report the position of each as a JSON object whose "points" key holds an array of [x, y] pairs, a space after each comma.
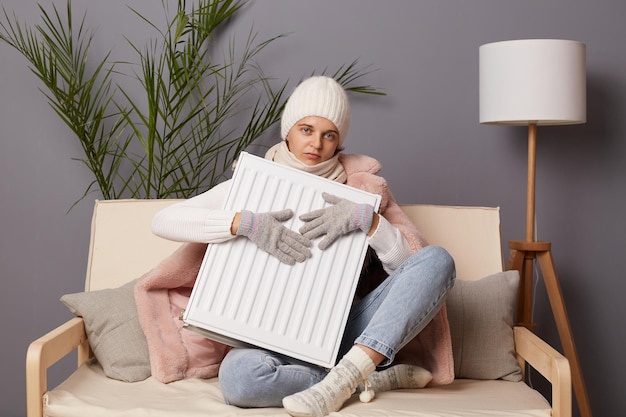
{"points": [[384, 320]]}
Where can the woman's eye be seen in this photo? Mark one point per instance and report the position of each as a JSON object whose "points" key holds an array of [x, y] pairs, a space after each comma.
{"points": [[306, 130]]}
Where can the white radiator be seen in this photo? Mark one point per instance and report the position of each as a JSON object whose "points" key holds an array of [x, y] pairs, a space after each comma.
{"points": [[244, 296]]}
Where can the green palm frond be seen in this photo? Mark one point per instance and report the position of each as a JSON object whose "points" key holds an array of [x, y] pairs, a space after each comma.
{"points": [[194, 115]]}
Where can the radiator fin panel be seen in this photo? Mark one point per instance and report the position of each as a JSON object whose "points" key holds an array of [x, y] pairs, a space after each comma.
{"points": [[247, 297]]}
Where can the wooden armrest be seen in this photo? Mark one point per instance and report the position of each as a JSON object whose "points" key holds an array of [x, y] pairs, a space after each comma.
{"points": [[549, 363], [45, 352]]}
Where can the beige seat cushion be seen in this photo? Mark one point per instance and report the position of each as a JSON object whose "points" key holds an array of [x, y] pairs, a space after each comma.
{"points": [[88, 392]]}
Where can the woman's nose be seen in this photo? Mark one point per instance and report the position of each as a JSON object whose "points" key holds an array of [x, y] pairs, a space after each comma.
{"points": [[316, 141]]}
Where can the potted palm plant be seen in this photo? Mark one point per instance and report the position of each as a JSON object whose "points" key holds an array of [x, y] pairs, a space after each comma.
{"points": [[175, 138]]}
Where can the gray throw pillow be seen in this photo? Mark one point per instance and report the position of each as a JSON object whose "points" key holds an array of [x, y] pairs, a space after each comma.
{"points": [[481, 315], [114, 332]]}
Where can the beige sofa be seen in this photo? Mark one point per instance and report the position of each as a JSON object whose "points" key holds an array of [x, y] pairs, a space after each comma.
{"points": [[491, 355]]}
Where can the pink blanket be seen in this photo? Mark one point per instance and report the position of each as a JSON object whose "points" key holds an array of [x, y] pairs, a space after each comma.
{"points": [[176, 354], [160, 295]]}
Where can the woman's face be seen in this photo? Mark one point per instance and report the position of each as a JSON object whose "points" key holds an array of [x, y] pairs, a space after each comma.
{"points": [[313, 140]]}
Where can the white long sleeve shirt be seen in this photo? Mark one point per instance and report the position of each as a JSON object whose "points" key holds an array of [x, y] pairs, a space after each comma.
{"points": [[202, 219]]}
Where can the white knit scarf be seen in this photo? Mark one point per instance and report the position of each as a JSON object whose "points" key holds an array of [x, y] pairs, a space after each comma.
{"points": [[331, 169]]}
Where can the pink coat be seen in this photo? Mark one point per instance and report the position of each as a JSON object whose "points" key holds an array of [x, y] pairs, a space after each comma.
{"points": [[162, 292]]}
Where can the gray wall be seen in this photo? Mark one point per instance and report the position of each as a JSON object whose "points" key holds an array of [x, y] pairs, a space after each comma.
{"points": [[425, 132]]}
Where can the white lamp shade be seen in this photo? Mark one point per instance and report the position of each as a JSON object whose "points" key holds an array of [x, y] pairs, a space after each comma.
{"points": [[540, 81]]}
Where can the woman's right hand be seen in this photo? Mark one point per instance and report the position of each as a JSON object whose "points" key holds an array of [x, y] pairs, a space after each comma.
{"points": [[271, 236]]}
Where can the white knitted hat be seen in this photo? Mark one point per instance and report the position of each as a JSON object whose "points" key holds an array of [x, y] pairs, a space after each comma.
{"points": [[318, 96]]}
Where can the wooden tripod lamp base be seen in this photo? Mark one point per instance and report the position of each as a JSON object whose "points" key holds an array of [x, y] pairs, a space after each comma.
{"points": [[521, 258]]}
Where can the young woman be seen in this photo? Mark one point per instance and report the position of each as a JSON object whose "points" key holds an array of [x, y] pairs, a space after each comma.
{"points": [[314, 126]]}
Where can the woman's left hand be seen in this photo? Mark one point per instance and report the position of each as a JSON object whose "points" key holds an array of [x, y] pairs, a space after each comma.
{"points": [[340, 218]]}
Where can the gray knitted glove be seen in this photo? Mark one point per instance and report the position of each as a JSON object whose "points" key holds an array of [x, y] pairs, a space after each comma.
{"points": [[341, 218], [270, 235]]}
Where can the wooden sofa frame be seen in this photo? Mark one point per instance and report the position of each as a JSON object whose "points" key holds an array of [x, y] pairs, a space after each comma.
{"points": [[71, 336]]}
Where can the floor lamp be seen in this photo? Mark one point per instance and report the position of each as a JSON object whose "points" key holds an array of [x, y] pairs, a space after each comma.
{"points": [[530, 83]]}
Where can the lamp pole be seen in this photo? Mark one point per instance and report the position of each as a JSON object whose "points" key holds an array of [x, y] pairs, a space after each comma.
{"points": [[530, 192]]}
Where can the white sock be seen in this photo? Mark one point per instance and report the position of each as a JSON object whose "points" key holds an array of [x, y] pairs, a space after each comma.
{"points": [[329, 394], [400, 376]]}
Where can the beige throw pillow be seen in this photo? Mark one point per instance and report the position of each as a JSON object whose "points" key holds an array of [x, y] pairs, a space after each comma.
{"points": [[114, 332], [481, 315]]}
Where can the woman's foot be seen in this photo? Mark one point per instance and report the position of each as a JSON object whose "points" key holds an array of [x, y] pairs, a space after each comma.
{"points": [[400, 376], [329, 394]]}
